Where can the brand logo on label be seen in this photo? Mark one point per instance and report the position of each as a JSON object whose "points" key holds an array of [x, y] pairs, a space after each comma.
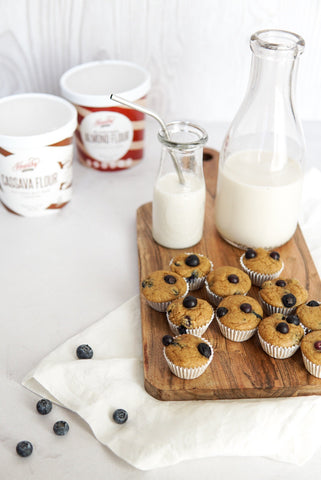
{"points": [[27, 165], [106, 122]]}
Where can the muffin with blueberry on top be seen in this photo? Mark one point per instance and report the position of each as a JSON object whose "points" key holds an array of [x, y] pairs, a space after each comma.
{"points": [[282, 295], [238, 317], [261, 265], [311, 353], [225, 281], [310, 315], [280, 335], [189, 315], [162, 287], [193, 267], [187, 356]]}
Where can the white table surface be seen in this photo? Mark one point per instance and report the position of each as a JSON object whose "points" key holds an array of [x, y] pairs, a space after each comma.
{"points": [[63, 272]]}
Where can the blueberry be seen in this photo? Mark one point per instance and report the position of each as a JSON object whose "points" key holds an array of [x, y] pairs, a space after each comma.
{"points": [[250, 253], [190, 301], [317, 345], [120, 416], [204, 349], [84, 352], [233, 278], [282, 327], [293, 319], [192, 261], [288, 300], [170, 279], [182, 329], [313, 303], [275, 255], [221, 311], [167, 340], [24, 448], [246, 308], [44, 406], [187, 320], [61, 428], [280, 283]]}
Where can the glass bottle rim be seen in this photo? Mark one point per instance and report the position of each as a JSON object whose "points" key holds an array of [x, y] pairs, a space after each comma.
{"points": [[280, 40], [181, 126]]}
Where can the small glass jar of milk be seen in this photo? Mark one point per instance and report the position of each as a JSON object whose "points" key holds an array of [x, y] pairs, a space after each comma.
{"points": [[179, 191], [261, 161]]}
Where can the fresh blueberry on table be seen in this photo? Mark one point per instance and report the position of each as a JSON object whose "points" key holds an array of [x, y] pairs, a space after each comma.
{"points": [[44, 406], [61, 428], [24, 448], [120, 416], [84, 352]]}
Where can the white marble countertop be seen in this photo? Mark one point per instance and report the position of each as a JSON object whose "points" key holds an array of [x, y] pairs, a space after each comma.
{"points": [[61, 273]]}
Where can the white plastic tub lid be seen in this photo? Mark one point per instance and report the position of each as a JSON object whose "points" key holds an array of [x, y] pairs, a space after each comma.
{"points": [[32, 120], [90, 84]]}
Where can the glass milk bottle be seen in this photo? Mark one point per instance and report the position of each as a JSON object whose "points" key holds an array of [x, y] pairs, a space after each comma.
{"points": [[261, 161], [179, 191]]}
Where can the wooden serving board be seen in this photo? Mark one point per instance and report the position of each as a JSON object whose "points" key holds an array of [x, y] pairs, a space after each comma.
{"points": [[238, 370]]}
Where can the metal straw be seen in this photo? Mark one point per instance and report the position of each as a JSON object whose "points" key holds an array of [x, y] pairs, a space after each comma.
{"points": [[118, 99]]}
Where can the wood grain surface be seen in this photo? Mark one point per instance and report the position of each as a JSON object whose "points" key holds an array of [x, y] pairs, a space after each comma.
{"points": [[238, 370]]}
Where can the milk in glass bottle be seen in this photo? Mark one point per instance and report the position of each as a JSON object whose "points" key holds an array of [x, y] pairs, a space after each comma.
{"points": [[261, 161]]}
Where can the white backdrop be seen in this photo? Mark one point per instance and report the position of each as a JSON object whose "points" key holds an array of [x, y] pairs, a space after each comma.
{"points": [[197, 51]]}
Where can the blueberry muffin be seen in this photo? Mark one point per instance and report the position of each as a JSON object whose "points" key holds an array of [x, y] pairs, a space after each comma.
{"points": [[225, 281], [310, 315], [187, 356], [280, 335], [162, 287], [261, 265], [282, 295], [189, 315], [311, 353], [193, 267], [238, 317]]}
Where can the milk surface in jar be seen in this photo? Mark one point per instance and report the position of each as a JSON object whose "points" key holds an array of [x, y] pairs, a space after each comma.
{"points": [[255, 206], [178, 211], [179, 191]]}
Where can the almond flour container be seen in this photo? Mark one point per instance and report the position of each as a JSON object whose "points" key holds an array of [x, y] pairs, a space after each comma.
{"points": [[36, 132], [109, 136]]}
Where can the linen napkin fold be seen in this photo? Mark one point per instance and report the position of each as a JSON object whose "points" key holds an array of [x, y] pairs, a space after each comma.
{"points": [[170, 432]]}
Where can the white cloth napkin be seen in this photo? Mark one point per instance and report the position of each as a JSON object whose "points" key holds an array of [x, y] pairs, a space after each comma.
{"points": [[157, 433]]}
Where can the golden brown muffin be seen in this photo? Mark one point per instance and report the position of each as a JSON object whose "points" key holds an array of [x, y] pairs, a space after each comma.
{"points": [[193, 267], [189, 315], [278, 332], [282, 295], [225, 281], [261, 265], [239, 312], [310, 315], [184, 351], [161, 287], [311, 347]]}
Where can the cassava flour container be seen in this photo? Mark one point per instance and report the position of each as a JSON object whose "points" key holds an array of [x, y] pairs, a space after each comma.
{"points": [[109, 136], [36, 132]]}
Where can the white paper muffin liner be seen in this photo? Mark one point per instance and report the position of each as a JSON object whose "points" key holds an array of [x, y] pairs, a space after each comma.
{"points": [[277, 352], [189, 373], [270, 309], [259, 278], [193, 331], [195, 283], [162, 306], [311, 367], [212, 297], [233, 334]]}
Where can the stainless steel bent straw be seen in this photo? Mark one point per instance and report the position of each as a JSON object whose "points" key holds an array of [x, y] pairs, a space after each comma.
{"points": [[118, 99]]}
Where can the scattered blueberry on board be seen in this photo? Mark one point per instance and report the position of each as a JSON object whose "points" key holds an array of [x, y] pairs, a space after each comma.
{"points": [[120, 416], [84, 352], [24, 448], [44, 406], [61, 428]]}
